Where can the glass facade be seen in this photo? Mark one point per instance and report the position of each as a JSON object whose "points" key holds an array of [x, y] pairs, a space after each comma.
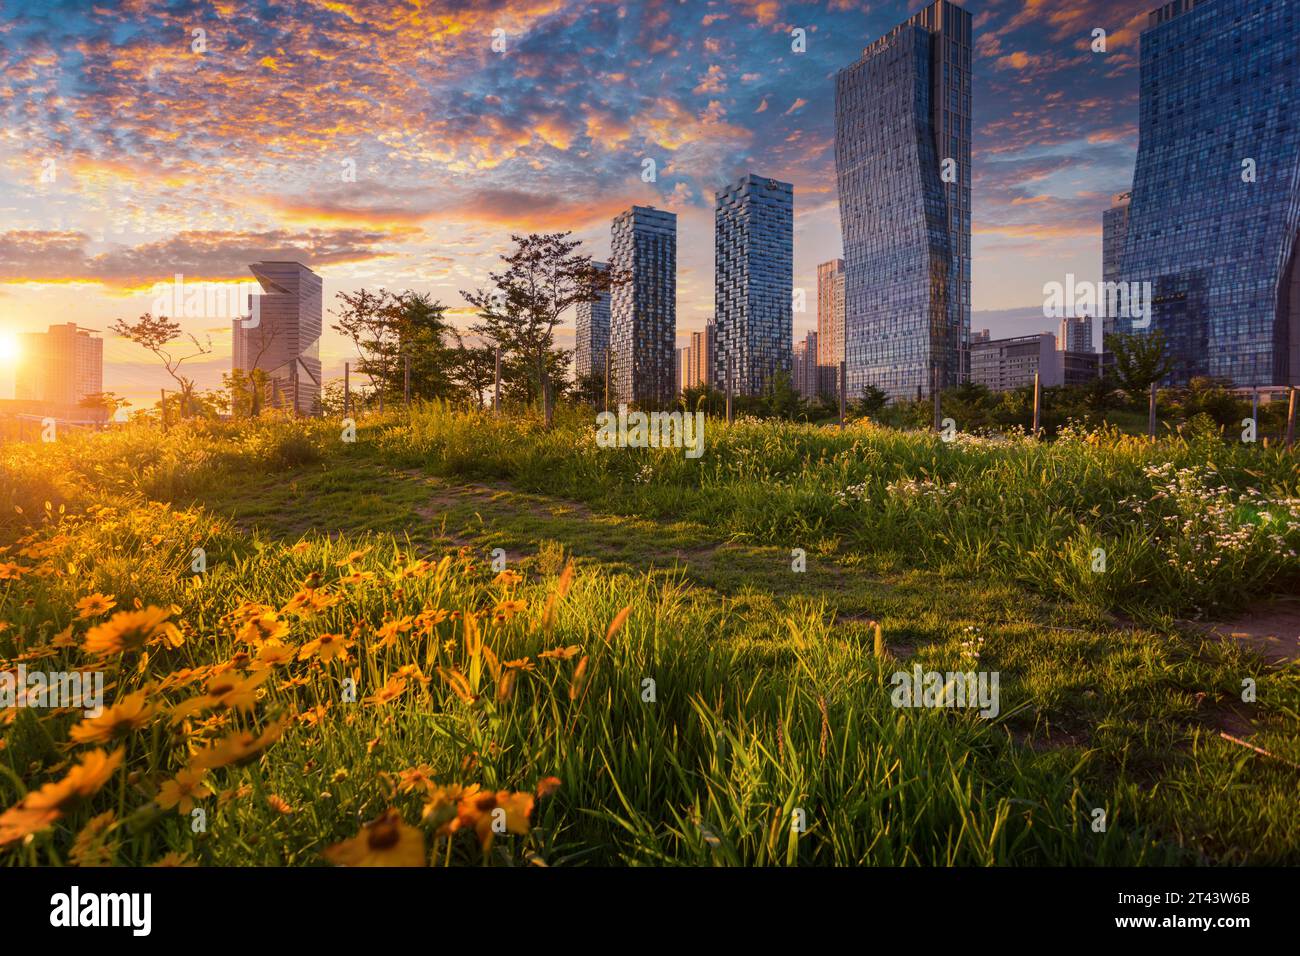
{"points": [[830, 314], [592, 327], [753, 282], [903, 164], [1219, 88], [286, 341], [643, 312]]}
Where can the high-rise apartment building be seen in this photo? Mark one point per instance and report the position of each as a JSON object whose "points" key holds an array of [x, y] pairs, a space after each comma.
{"points": [[806, 377], [1075, 334], [59, 367], [830, 315], [753, 250], [699, 360], [281, 335], [903, 164], [1114, 227], [591, 323], [1215, 214], [643, 311]]}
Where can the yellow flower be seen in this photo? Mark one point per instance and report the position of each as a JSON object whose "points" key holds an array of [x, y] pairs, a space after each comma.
{"points": [[392, 690], [387, 841], [94, 605], [262, 629], [272, 654], [326, 647], [562, 653], [182, 790], [39, 809], [126, 716], [10, 571], [225, 691], [486, 813], [352, 558], [133, 630], [237, 749], [173, 859], [508, 578]]}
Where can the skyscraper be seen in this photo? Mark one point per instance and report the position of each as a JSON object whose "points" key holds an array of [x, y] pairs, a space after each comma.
{"points": [[701, 358], [60, 367], [830, 314], [805, 378], [1114, 227], [592, 325], [1216, 190], [903, 164], [643, 312], [753, 282], [282, 335], [1075, 334]]}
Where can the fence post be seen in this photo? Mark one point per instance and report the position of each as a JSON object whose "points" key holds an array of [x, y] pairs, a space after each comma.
{"points": [[406, 381], [934, 391], [609, 366], [293, 380], [1151, 412], [844, 391], [1290, 418], [729, 370], [1038, 398], [347, 389], [162, 407], [496, 394]]}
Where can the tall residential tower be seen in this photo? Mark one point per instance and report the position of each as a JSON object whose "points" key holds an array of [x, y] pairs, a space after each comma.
{"points": [[1215, 212], [643, 312], [753, 282], [903, 163], [592, 326]]}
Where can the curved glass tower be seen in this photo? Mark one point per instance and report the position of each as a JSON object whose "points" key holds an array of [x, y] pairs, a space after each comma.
{"points": [[1216, 191], [903, 164]]}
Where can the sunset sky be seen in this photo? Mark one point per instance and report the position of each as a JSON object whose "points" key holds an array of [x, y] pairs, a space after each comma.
{"points": [[166, 160]]}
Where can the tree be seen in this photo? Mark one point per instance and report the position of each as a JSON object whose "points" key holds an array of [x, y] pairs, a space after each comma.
{"points": [[871, 401], [107, 402], [155, 335], [1140, 361], [545, 275], [475, 369], [248, 387], [365, 319]]}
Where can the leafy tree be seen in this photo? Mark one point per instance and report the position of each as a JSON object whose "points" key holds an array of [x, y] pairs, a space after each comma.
{"points": [[475, 370], [157, 335], [869, 403], [1140, 361], [107, 402], [545, 275]]}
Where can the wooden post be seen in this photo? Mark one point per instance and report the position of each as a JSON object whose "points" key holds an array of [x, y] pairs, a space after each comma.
{"points": [[406, 380], [1038, 402], [496, 394], [162, 408], [1290, 418], [548, 409], [729, 386], [609, 369], [844, 391], [347, 389], [381, 399], [1151, 413], [293, 380], [934, 392], [1254, 409]]}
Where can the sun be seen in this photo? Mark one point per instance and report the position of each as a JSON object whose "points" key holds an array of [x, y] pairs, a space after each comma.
{"points": [[9, 350]]}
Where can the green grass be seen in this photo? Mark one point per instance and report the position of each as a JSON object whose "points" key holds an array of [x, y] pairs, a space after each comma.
{"points": [[769, 695]]}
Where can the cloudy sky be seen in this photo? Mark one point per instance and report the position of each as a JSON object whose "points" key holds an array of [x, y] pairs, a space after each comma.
{"points": [[133, 148]]}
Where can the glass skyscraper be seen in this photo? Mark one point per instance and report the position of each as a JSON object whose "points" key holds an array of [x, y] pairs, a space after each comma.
{"points": [[643, 311], [1216, 190], [753, 282], [591, 324], [903, 164], [285, 341]]}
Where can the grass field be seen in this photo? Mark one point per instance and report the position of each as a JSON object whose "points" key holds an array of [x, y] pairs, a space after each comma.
{"points": [[349, 679]]}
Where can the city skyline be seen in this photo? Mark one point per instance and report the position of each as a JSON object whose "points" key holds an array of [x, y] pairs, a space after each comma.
{"points": [[718, 93]]}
